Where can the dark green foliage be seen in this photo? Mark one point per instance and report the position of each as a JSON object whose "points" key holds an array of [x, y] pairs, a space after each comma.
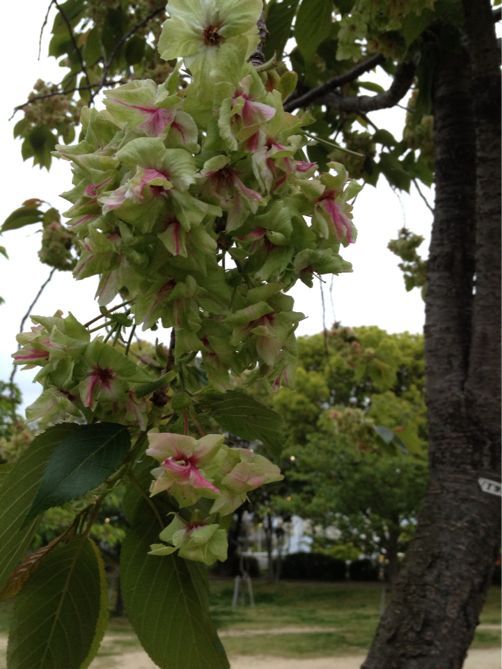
{"points": [[80, 462], [63, 595], [18, 489], [244, 416], [167, 594], [363, 570], [313, 567]]}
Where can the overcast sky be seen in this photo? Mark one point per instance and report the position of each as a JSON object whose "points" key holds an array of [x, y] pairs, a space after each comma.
{"points": [[373, 294]]}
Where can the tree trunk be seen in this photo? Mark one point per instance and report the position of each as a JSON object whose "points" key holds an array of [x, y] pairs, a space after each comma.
{"points": [[439, 593]]}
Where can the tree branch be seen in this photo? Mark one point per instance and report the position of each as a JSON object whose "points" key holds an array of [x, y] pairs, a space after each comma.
{"points": [[329, 86], [258, 57], [401, 84], [46, 18], [425, 200], [123, 39], [73, 41], [25, 318], [76, 89]]}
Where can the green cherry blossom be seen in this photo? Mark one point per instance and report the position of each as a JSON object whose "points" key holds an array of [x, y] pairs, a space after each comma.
{"points": [[210, 34], [200, 541]]}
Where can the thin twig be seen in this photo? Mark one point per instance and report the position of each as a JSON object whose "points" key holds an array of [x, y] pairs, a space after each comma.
{"points": [[36, 298], [170, 355], [426, 201], [73, 41], [258, 57], [43, 28], [23, 321], [67, 91], [108, 311], [123, 39], [129, 341], [329, 86]]}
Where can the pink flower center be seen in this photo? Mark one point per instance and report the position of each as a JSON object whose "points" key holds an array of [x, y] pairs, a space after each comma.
{"points": [[211, 36]]}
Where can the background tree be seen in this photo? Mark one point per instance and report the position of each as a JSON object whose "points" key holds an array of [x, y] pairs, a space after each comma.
{"points": [[356, 440], [446, 50]]}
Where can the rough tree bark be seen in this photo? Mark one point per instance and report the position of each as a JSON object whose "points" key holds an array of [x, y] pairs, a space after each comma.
{"points": [[431, 619]]}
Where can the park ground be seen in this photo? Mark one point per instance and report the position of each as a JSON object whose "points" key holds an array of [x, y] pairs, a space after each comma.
{"points": [[294, 625]]}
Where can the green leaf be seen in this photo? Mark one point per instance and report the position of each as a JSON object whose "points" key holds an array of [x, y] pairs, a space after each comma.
{"points": [[5, 468], [102, 621], [135, 50], [43, 142], [384, 137], [166, 602], [413, 25], [57, 612], [245, 417], [390, 439], [148, 388], [17, 490], [394, 172], [81, 462], [21, 217], [371, 86], [313, 25], [279, 25]]}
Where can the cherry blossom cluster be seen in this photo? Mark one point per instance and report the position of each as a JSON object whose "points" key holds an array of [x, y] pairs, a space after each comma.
{"points": [[196, 203]]}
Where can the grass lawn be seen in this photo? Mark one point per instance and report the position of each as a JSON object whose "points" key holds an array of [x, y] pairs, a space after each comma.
{"points": [[347, 611]]}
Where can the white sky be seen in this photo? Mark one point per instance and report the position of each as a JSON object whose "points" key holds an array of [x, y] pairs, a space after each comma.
{"points": [[373, 294]]}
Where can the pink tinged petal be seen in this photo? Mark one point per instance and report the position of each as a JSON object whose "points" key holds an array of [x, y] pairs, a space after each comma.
{"points": [[89, 397], [257, 233], [92, 190], [186, 471], [114, 199], [304, 166], [100, 377], [341, 222], [279, 182], [253, 142], [180, 469], [177, 127], [245, 191], [83, 220], [174, 230], [256, 112], [151, 174], [157, 121], [163, 445], [199, 481], [33, 354]]}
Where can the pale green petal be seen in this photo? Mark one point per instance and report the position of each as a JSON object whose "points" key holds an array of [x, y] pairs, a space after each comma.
{"points": [[161, 549]]}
